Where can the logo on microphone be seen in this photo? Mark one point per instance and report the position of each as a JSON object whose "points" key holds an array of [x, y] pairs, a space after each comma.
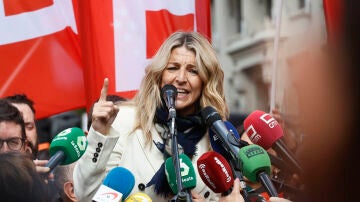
{"points": [[223, 169], [64, 132], [215, 137], [269, 120], [254, 151], [81, 143], [110, 195], [253, 135], [185, 169], [207, 177]]}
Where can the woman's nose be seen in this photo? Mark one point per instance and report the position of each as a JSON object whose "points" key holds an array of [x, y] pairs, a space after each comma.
{"points": [[181, 76]]}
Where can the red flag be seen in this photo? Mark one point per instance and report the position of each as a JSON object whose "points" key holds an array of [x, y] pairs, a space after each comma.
{"points": [[333, 17], [117, 38], [40, 55], [43, 56]]}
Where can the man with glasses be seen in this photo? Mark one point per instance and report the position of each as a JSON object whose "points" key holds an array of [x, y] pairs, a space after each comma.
{"points": [[12, 129], [26, 108], [13, 135]]}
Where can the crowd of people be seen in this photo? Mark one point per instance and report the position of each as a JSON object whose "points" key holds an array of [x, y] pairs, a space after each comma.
{"points": [[136, 133]]}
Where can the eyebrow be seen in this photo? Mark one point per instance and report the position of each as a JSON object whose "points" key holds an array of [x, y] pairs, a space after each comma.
{"points": [[176, 63]]}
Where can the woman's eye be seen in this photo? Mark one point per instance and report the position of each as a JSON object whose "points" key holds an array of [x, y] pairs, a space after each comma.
{"points": [[194, 71], [171, 68]]}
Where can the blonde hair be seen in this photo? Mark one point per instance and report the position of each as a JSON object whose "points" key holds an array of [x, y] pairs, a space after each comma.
{"points": [[148, 97]]}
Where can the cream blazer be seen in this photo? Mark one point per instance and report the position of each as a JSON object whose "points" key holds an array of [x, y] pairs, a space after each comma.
{"points": [[122, 147]]}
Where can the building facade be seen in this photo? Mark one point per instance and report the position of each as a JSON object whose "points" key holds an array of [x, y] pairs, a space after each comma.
{"points": [[243, 36]]}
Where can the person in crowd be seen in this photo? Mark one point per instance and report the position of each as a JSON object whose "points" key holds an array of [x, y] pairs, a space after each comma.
{"points": [[64, 183], [114, 98], [26, 107], [12, 129], [135, 133], [19, 180], [12, 133]]}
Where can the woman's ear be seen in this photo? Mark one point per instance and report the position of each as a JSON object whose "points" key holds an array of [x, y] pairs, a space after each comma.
{"points": [[69, 190]]}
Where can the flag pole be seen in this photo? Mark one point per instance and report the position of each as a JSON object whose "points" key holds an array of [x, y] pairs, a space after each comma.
{"points": [[278, 12]]}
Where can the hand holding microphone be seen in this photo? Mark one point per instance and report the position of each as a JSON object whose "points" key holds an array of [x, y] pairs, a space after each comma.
{"points": [[104, 112], [235, 195], [40, 166]]}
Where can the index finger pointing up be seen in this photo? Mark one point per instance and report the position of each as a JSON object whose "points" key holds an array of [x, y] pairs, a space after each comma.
{"points": [[104, 90]]}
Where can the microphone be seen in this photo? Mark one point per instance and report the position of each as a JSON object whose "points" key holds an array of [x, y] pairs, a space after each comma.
{"points": [[188, 176], [116, 186], [265, 131], [169, 94], [256, 166], [229, 141], [67, 147], [217, 144], [216, 172], [138, 197]]}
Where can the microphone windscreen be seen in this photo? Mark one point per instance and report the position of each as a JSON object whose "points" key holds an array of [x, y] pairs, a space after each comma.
{"points": [[254, 159], [210, 115], [262, 129], [187, 172], [215, 172], [138, 197], [120, 179], [168, 88], [216, 142], [72, 142], [167, 92]]}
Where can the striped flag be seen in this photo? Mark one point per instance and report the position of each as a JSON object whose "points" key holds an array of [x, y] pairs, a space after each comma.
{"points": [[59, 51]]}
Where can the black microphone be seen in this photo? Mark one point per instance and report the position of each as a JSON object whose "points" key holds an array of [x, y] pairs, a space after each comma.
{"points": [[229, 139], [213, 119], [169, 94]]}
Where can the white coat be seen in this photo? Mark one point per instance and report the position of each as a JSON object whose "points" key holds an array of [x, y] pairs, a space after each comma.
{"points": [[122, 147]]}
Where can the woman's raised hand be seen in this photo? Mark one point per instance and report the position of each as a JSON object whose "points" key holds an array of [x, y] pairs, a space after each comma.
{"points": [[104, 112]]}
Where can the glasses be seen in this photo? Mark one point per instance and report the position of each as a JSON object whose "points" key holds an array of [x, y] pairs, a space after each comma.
{"points": [[14, 144]]}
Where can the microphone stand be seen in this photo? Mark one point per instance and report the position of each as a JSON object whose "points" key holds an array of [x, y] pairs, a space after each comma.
{"points": [[182, 196]]}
